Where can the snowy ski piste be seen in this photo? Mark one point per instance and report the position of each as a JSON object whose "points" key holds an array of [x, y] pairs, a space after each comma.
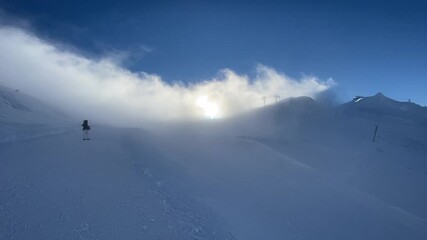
{"points": [[296, 169]]}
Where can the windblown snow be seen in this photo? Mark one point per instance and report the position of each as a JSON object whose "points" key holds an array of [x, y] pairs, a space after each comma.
{"points": [[293, 170]]}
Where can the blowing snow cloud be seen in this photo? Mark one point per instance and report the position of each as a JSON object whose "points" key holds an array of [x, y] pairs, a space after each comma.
{"points": [[105, 91]]}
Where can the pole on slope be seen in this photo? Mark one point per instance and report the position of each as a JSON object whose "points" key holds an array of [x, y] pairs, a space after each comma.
{"points": [[375, 133]]}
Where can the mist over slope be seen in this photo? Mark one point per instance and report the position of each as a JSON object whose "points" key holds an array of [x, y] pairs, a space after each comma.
{"points": [[22, 116], [389, 163], [119, 185], [296, 169], [383, 109]]}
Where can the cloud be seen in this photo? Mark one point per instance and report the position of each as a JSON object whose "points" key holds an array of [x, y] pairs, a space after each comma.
{"points": [[104, 91], [123, 57]]}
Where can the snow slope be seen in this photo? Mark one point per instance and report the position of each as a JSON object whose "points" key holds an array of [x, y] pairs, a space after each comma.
{"points": [[22, 117], [294, 170], [112, 187]]}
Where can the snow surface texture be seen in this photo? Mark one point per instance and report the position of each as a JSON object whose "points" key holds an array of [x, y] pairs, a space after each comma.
{"points": [[294, 170]]}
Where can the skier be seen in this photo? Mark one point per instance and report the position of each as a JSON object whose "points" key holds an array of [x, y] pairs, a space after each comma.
{"points": [[86, 129]]}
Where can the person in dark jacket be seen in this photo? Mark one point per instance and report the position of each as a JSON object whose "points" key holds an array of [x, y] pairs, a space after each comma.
{"points": [[86, 129]]}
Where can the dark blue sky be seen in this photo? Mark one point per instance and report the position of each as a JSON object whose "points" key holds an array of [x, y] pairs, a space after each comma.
{"points": [[365, 46]]}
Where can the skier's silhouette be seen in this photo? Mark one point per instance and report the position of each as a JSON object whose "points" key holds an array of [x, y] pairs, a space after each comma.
{"points": [[86, 129]]}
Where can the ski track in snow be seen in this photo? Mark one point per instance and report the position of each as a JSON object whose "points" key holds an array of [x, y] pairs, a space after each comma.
{"points": [[59, 187]]}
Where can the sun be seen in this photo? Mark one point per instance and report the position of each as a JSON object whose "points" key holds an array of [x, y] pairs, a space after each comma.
{"points": [[210, 109]]}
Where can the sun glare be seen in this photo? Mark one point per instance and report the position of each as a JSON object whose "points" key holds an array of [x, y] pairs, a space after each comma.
{"points": [[210, 109]]}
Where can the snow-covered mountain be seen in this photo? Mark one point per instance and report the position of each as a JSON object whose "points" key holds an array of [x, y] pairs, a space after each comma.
{"points": [[22, 117], [293, 170], [382, 108]]}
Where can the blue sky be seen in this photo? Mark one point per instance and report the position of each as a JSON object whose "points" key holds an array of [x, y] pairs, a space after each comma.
{"points": [[365, 46]]}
